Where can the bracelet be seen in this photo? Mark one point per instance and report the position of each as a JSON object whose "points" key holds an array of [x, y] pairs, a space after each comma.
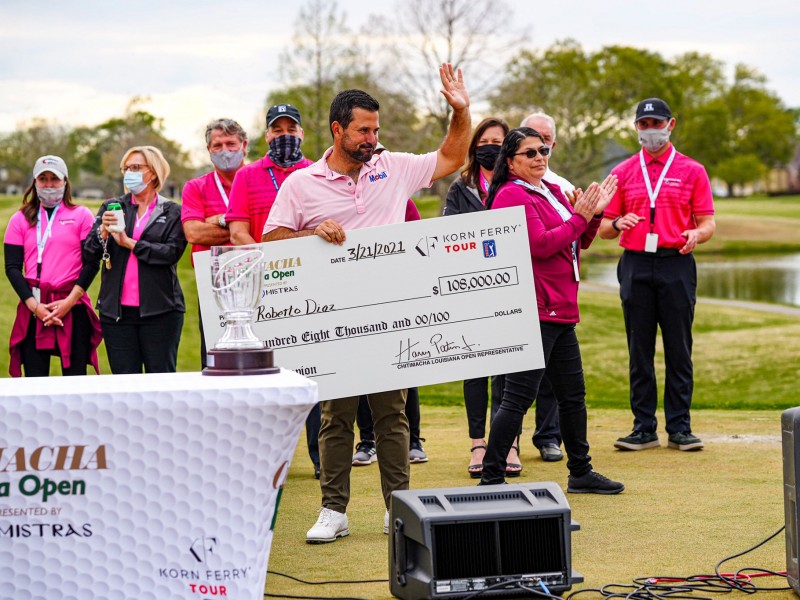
{"points": [[614, 224]]}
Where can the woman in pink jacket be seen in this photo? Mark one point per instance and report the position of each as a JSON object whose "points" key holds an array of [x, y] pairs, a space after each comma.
{"points": [[556, 234], [43, 262]]}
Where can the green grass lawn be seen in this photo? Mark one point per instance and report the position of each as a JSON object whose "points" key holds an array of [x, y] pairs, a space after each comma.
{"points": [[680, 513], [736, 365]]}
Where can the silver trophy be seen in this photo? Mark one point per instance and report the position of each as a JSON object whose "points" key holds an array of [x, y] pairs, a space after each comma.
{"points": [[236, 276]]}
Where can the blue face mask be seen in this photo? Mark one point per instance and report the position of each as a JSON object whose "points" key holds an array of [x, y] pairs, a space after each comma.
{"points": [[133, 181]]}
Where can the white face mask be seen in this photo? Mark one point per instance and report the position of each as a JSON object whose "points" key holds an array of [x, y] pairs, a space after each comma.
{"points": [[653, 140], [49, 196]]}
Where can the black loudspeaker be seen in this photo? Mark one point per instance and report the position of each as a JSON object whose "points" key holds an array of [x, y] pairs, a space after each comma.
{"points": [[451, 542], [790, 424]]}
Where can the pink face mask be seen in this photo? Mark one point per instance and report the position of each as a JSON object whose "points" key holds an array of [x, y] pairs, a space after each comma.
{"points": [[49, 196]]}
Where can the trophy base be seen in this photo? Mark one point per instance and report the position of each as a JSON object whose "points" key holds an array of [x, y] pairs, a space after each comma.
{"points": [[256, 361]]}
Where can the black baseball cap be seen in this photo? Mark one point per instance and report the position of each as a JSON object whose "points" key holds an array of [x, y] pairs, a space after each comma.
{"points": [[283, 110], [653, 108]]}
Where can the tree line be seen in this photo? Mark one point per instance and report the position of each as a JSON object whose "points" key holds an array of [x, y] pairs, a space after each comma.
{"points": [[736, 126]]}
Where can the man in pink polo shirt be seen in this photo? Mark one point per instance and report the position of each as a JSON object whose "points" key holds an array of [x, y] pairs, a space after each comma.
{"points": [[205, 199], [662, 209], [349, 188], [256, 186]]}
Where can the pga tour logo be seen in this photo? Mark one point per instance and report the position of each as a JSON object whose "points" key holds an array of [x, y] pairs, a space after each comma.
{"points": [[489, 249]]}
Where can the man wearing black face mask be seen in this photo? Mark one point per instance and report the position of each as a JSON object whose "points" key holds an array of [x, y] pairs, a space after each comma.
{"points": [[256, 186], [662, 209]]}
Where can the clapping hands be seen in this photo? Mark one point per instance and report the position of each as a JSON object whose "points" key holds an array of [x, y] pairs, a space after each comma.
{"points": [[595, 199]]}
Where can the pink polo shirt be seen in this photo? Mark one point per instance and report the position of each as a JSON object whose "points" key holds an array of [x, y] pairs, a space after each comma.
{"points": [[686, 192], [254, 190], [379, 197], [201, 199], [61, 259], [130, 283]]}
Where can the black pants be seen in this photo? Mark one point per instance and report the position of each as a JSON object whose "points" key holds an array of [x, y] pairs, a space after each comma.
{"points": [[659, 291], [366, 431], [36, 363], [136, 342], [562, 356], [547, 427], [476, 401]]}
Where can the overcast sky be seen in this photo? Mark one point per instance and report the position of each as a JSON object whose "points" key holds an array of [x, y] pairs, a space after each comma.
{"points": [[80, 61]]}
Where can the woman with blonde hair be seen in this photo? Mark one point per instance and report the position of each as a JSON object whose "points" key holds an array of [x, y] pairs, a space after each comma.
{"points": [[139, 239]]}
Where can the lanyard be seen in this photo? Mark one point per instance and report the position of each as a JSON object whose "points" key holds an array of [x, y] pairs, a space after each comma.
{"points": [[274, 181], [41, 241], [221, 189], [563, 212], [650, 192], [484, 183]]}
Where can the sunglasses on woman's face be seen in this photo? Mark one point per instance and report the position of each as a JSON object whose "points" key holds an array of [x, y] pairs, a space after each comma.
{"points": [[532, 152]]}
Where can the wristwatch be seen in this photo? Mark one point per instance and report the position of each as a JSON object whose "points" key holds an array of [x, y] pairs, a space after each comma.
{"points": [[614, 224], [221, 222]]}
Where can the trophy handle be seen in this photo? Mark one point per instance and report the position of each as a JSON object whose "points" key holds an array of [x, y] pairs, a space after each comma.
{"points": [[243, 274]]}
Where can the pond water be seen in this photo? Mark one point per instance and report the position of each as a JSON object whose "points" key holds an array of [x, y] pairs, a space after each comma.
{"points": [[773, 278]]}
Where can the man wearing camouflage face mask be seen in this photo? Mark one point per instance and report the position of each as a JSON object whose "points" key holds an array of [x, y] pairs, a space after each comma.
{"points": [[205, 199], [662, 209], [256, 186]]}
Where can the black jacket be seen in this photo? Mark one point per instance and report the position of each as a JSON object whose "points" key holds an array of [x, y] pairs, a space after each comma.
{"points": [[158, 250], [462, 199]]}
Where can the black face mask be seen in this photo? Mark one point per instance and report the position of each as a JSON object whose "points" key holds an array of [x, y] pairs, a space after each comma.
{"points": [[487, 155], [284, 150]]}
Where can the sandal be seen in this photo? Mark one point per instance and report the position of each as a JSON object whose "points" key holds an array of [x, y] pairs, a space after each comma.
{"points": [[475, 471], [514, 469]]}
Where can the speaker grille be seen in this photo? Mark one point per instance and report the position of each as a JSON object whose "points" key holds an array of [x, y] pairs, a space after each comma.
{"points": [[465, 550], [486, 549], [531, 546]]}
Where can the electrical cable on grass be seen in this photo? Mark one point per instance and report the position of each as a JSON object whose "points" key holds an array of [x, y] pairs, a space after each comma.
{"points": [[642, 588], [305, 582], [266, 595], [339, 581], [690, 588]]}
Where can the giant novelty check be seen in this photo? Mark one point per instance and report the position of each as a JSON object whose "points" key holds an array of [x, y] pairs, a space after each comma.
{"points": [[397, 306]]}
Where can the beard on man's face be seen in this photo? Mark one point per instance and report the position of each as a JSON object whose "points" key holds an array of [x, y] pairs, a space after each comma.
{"points": [[362, 152]]}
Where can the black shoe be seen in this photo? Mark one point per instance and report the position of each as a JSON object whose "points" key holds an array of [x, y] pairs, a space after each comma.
{"points": [[593, 483], [316, 471], [551, 452], [685, 441], [638, 440]]}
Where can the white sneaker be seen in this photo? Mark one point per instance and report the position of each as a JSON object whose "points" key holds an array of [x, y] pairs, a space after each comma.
{"points": [[386, 522], [329, 526]]}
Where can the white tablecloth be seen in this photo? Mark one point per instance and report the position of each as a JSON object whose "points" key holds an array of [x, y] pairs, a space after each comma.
{"points": [[153, 486]]}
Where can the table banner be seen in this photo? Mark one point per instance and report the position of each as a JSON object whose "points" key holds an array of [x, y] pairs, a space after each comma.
{"points": [[397, 306], [144, 486]]}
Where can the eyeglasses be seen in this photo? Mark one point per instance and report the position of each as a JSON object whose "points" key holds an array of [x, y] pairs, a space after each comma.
{"points": [[134, 168], [532, 152]]}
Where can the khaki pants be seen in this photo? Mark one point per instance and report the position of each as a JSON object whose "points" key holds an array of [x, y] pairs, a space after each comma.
{"points": [[336, 438]]}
